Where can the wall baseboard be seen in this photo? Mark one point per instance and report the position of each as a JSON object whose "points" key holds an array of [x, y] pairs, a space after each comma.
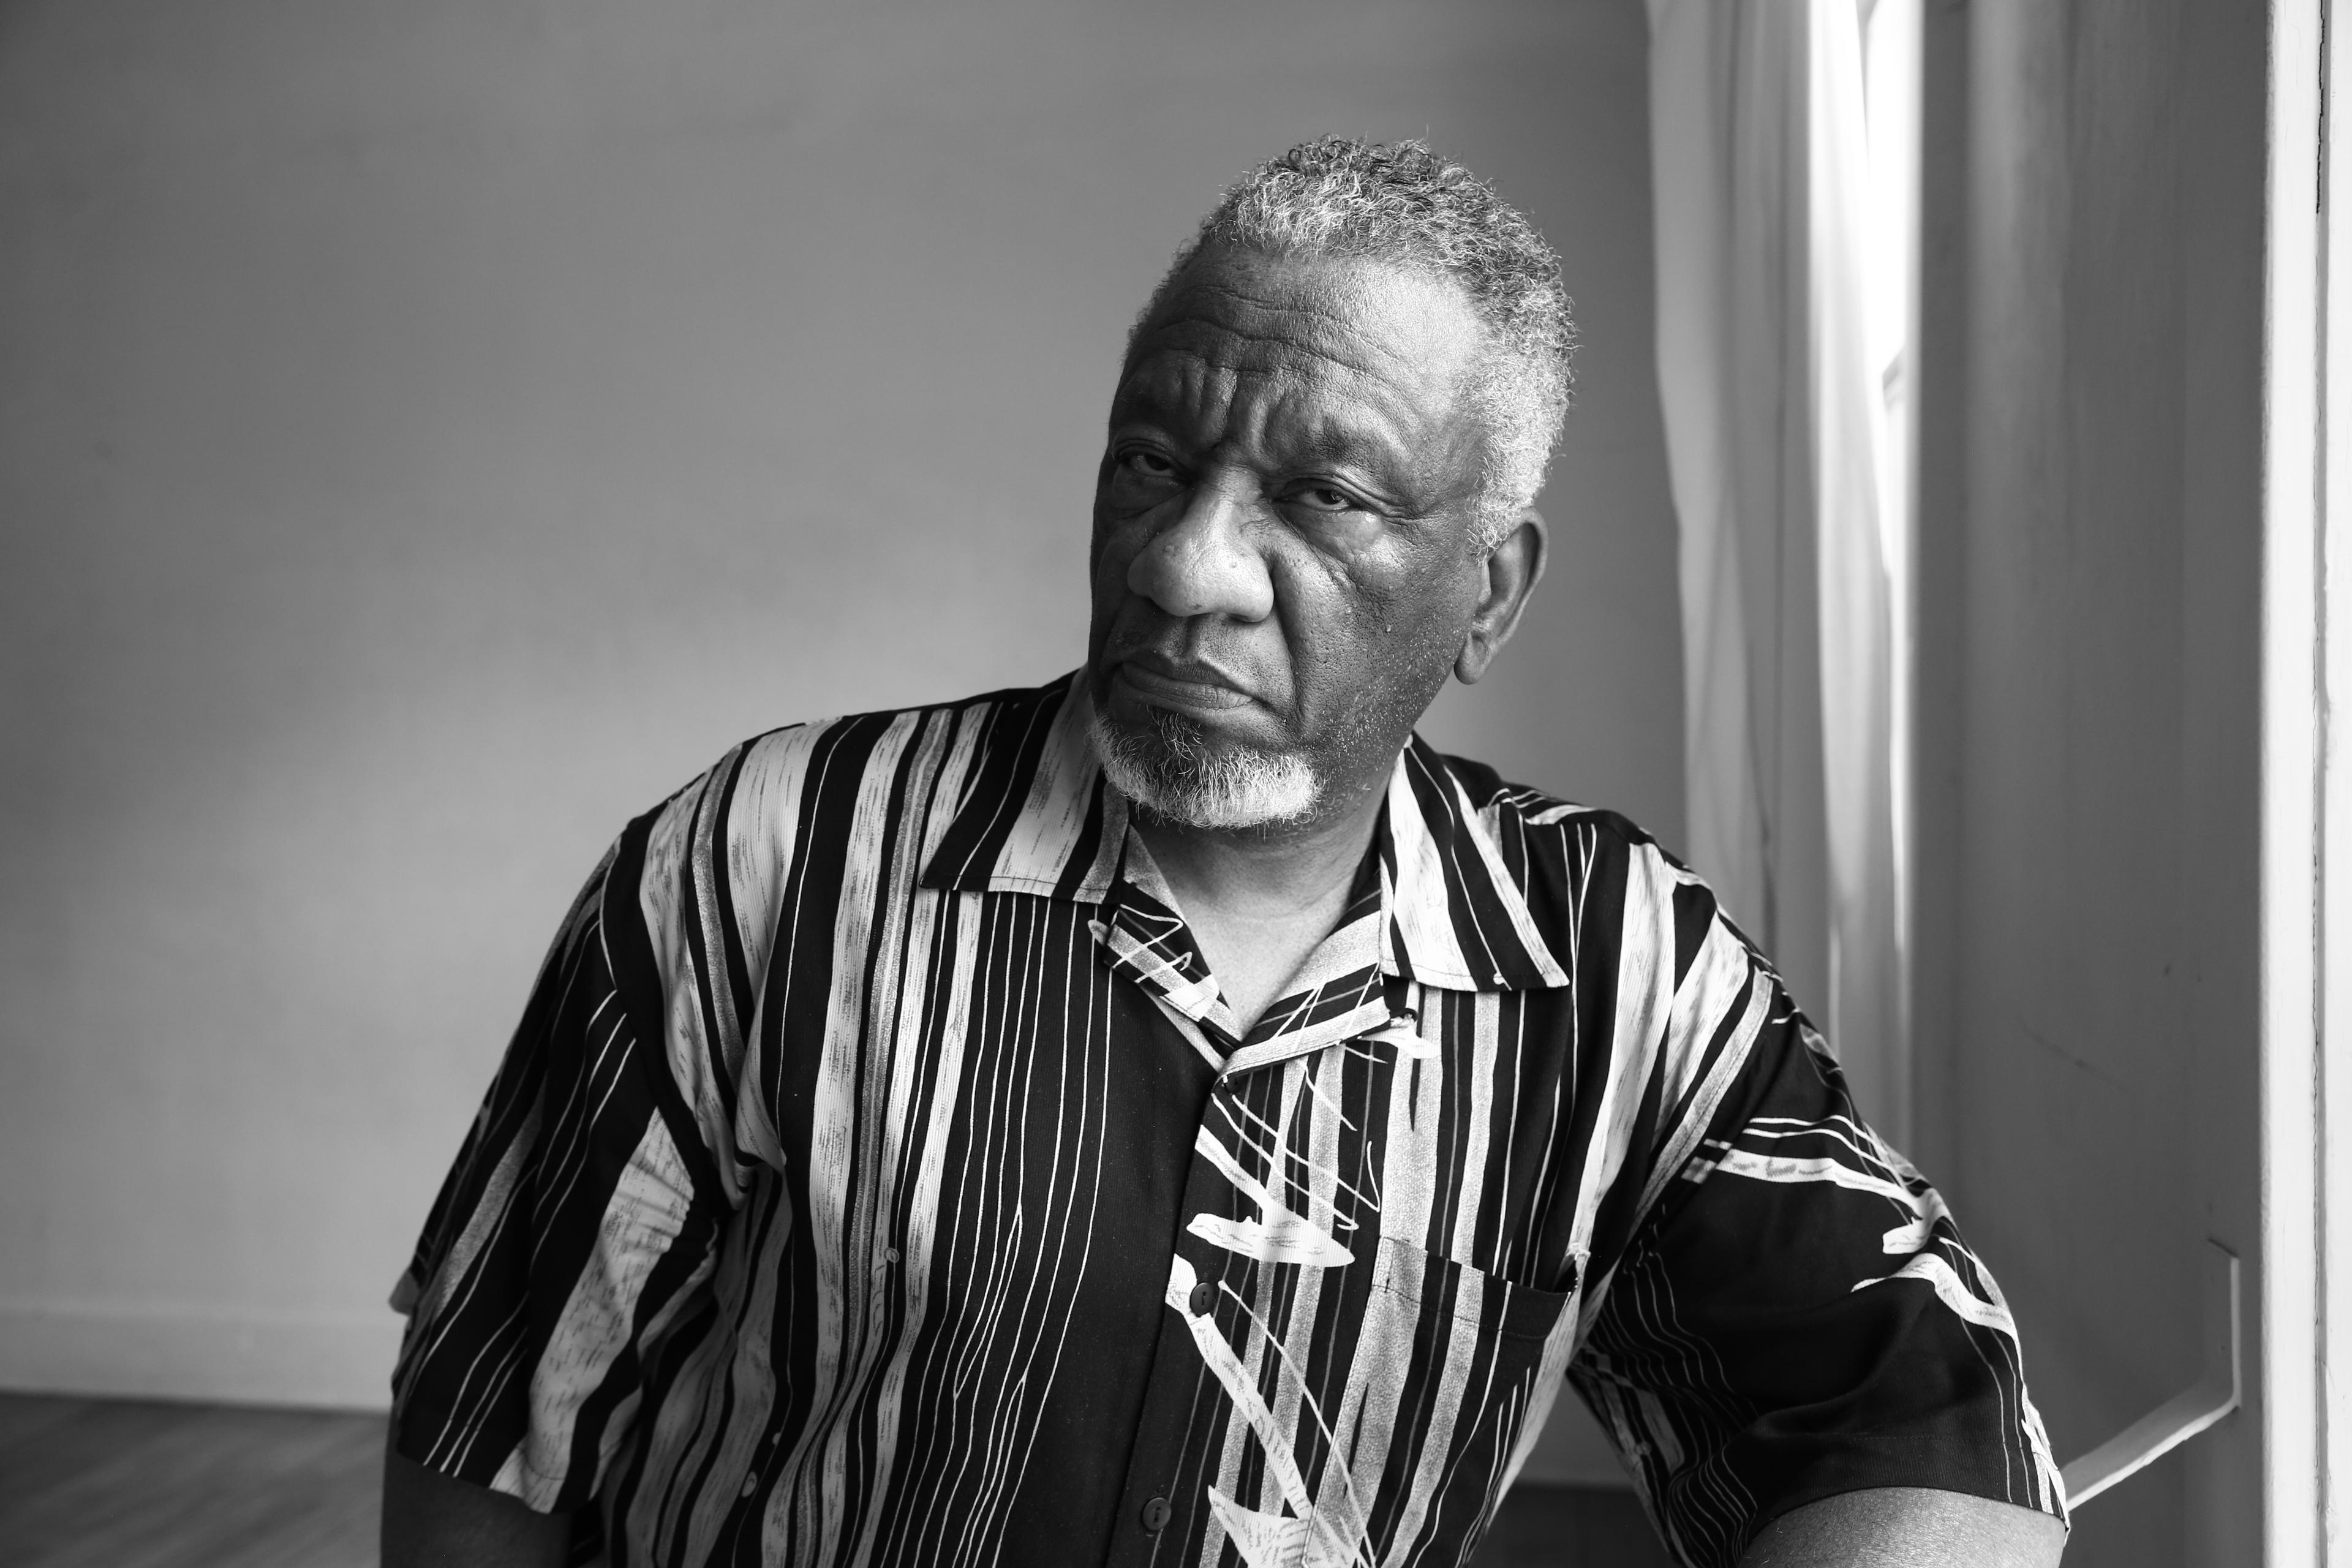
{"points": [[337, 1360]]}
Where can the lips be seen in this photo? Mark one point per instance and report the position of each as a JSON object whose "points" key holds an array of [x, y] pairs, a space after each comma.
{"points": [[1172, 683]]}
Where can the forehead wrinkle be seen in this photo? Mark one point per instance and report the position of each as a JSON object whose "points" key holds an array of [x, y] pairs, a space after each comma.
{"points": [[1264, 322], [1177, 385], [1261, 354]]}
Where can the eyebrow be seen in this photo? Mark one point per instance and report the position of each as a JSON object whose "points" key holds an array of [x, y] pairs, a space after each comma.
{"points": [[1361, 458]]}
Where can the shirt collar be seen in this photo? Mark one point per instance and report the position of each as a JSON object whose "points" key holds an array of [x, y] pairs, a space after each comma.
{"points": [[1455, 906]]}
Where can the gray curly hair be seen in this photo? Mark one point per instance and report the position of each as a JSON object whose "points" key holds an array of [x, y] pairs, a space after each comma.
{"points": [[1402, 203]]}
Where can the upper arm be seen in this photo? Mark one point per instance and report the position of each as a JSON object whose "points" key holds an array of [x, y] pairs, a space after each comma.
{"points": [[576, 1227], [1914, 1526], [1794, 1317], [431, 1520]]}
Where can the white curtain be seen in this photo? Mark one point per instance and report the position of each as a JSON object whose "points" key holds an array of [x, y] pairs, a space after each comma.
{"points": [[1782, 251]]}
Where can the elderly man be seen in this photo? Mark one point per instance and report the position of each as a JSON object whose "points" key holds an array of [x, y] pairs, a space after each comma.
{"points": [[1172, 1115]]}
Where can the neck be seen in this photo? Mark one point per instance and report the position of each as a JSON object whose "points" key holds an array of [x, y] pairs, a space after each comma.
{"points": [[1260, 901], [1265, 872]]}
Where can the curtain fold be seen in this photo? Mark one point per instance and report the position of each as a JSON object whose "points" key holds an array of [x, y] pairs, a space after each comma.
{"points": [[1774, 381]]}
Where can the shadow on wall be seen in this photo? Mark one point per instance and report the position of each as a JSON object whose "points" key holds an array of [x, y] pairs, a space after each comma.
{"points": [[435, 432]]}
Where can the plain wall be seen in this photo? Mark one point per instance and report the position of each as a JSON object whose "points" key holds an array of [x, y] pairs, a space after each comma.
{"points": [[429, 434], [2090, 538]]}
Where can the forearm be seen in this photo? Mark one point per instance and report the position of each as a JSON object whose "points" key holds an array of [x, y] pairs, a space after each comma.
{"points": [[1908, 1527], [433, 1521]]}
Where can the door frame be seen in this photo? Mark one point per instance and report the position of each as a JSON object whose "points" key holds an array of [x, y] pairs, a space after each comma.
{"points": [[2306, 871]]}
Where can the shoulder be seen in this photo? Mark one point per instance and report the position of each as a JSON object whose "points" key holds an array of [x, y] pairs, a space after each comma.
{"points": [[1585, 837], [822, 797], [1530, 809], [1587, 873]]}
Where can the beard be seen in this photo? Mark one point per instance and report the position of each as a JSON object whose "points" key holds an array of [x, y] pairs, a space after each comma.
{"points": [[1169, 769]]}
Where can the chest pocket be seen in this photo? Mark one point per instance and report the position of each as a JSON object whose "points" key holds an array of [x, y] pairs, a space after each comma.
{"points": [[1382, 1386], [1423, 1286]]}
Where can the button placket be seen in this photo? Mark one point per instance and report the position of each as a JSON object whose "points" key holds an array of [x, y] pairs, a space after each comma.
{"points": [[1165, 1474], [1159, 1473]]}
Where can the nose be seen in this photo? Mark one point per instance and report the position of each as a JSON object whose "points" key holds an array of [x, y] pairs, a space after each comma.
{"points": [[1202, 564]]}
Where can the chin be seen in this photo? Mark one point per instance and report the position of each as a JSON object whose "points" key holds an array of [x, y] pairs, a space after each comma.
{"points": [[1169, 770]]}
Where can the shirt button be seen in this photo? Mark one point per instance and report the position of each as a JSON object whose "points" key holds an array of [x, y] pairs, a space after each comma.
{"points": [[1155, 1515], [751, 1485], [1204, 1296], [889, 1255]]}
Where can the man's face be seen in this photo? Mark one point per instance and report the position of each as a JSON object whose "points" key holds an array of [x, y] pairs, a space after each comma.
{"points": [[1284, 561]]}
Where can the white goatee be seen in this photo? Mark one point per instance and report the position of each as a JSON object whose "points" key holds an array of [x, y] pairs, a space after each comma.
{"points": [[1173, 773]]}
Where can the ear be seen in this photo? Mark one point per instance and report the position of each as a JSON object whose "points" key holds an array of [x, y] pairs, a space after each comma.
{"points": [[1512, 571]]}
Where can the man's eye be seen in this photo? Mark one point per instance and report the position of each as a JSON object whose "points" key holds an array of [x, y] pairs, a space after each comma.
{"points": [[1149, 465], [1326, 498]]}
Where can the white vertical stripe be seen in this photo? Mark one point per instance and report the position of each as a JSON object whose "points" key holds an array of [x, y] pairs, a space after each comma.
{"points": [[1715, 983], [831, 1155], [1418, 904], [1478, 827], [648, 1210], [923, 1215], [1408, 1161], [1054, 818], [1551, 1376], [864, 940], [765, 825], [764, 833], [1452, 1375], [497, 1194], [1644, 1001], [1696, 1019], [1408, 1148], [1478, 1138], [902, 924], [669, 850], [1337, 1484], [765, 828], [752, 1271], [1382, 1361], [1287, 1402], [708, 858]]}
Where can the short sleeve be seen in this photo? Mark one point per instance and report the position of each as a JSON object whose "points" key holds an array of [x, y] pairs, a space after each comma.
{"points": [[1796, 1316], [576, 1229]]}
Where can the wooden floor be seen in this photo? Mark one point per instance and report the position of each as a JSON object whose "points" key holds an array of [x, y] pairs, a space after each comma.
{"points": [[102, 1483], [97, 1483]]}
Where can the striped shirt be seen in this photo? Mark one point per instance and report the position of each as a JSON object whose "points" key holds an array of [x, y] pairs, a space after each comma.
{"points": [[877, 1176]]}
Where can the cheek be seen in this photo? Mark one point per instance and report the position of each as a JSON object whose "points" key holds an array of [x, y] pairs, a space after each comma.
{"points": [[1362, 634]]}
